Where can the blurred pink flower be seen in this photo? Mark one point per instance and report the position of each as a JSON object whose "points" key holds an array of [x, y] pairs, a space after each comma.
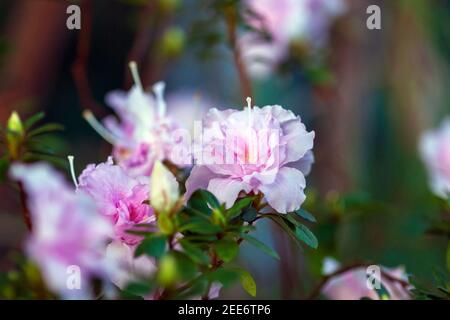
{"points": [[254, 150], [285, 21], [130, 268], [119, 197], [434, 148], [352, 285], [145, 132], [68, 231]]}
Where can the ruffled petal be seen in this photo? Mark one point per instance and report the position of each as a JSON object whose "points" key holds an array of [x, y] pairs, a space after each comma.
{"points": [[286, 193], [226, 190], [198, 179]]}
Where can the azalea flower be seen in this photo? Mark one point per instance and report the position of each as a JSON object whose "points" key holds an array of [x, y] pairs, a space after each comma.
{"points": [[285, 21], [352, 285], [68, 231], [146, 130], [119, 197], [265, 150], [434, 148]]}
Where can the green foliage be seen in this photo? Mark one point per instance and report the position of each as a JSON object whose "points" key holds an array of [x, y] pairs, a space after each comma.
{"points": [[153, 246], [197, 246], [26, 141]]}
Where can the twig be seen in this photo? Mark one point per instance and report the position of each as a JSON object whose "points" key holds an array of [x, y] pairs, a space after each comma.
{"points": [[25, 210], [79, 66], [244, 80]]}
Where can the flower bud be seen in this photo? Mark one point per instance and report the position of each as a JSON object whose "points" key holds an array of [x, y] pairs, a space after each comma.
{"points": [[14, 135], [172, 42], [164, 192]]}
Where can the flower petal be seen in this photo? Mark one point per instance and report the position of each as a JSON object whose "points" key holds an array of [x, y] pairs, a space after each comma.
{"points": [[227, 190], [286, 193], [198, 179]]}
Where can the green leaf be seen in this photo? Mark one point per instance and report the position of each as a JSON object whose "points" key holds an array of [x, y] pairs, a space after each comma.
{"points": [[4, 166], [225, 276], [200, 200], [31, 121], [305, 215], [194, 252], [237, 208], [258, 244], [247, 282], [227, 249], [304, 234], [47, 128], [201, 226], [139, 288], [448, 257], [284, 224], [153, 246]]}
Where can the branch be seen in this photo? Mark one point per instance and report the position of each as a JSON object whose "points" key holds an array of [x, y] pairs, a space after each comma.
{"points": [[79, 66], [25, 210], [244, 80]]}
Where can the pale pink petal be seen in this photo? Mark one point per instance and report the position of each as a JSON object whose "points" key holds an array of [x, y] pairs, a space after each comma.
{"points": [[227, 190], [286, 193]]}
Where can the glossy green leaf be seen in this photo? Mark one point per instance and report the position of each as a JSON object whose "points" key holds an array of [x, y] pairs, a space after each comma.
{"points": [[305, 215], [237, 208], [227, 249], [247, 282], [263, 247], [194, 252], [305, 235], [153, 246]]}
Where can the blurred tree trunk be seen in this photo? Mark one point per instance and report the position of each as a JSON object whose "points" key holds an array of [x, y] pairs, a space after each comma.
{"points": [[36, 35], [355, 62]]}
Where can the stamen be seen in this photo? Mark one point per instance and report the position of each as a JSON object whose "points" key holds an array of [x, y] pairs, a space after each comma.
{"points": [[251, 145], [135, 74], [72, 171], [249, 110], [158, 89], [98, 127]]}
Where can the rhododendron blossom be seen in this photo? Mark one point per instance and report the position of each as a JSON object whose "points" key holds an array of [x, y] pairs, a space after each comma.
{"points": [[68, 231], [119, 197], [285, 21], [146, 131], [254, 150], [352, 285], [435, 151]]}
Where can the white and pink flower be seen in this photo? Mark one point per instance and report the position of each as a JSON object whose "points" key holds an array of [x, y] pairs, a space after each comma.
{"points": [[68, 231], [434, 149], [352, 285], [254, 150], [118, 196], [285, 21]]}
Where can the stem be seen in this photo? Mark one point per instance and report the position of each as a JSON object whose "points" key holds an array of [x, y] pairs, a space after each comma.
{"points": [[79, 66], [244, 80], [25, 210]]}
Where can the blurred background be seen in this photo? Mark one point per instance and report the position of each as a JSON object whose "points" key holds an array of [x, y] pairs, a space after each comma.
{"points": [[368, 95]]}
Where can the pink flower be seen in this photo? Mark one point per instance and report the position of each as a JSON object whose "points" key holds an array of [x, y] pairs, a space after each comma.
{"points": [[285, 21], [145, 132], [130, 268], [69, 234], [255, 150], [352, 285], [434, 148], [119, 197]]}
